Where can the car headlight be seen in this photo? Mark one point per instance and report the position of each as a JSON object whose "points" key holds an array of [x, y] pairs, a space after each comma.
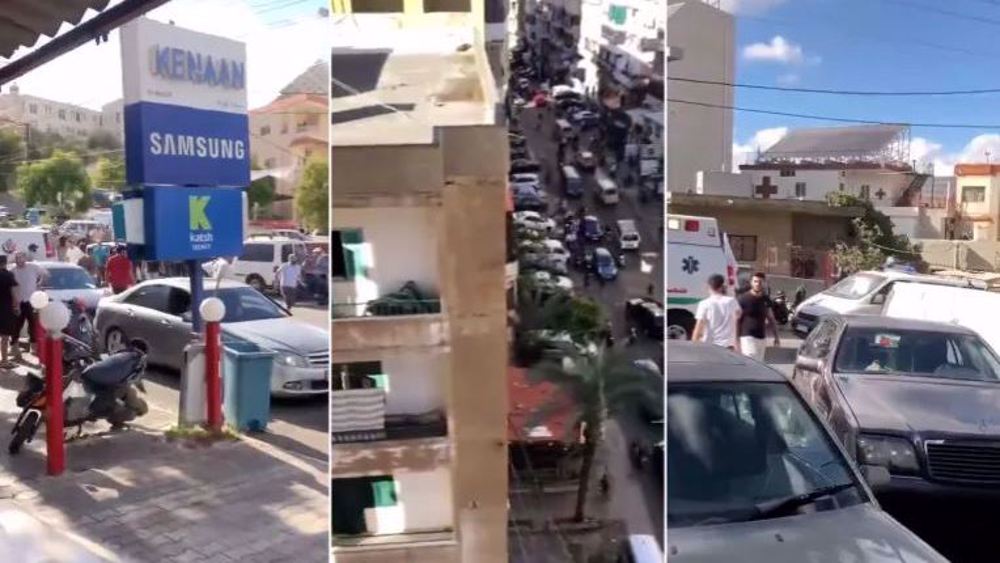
{"points": [[291, 360], [896, 454]]}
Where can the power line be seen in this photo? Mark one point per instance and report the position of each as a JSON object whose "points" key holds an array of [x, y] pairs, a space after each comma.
{"points": [[837, 119], [943, 12], [838, 91]]}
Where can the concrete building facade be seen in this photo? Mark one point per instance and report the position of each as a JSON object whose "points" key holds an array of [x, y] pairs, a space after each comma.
{"points": [[49, 116], [418, 415], [622, 48], [700, 43], [977, 201]]}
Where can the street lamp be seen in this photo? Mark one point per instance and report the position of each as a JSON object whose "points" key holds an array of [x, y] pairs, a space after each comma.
{"points": [[212, 311], [54, 317], [39, 300]]}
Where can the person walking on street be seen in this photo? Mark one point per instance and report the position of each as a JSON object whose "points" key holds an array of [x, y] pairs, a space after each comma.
{"points": [[289, 275], [9, 312], [61, 248], [119, 271], [717, 317], [101, 253], [27, 277], [755, 317]]}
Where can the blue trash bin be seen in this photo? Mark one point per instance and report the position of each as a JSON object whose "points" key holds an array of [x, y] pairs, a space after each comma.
{"points": [[246, 386]]}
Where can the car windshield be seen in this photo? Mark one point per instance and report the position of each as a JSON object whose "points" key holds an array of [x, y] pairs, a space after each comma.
{"points": [[68, 278], [735, 447], [856, 286], [245, 304], [922, 353]]}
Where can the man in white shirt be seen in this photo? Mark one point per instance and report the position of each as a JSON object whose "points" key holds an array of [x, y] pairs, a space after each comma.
{"points": [[718, 316], [28, 276], [289, 275]]}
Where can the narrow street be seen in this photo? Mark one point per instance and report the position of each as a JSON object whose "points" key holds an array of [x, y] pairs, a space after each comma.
{"points": [[637, 497]]}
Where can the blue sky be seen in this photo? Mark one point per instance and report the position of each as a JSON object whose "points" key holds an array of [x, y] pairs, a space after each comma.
{"points": [[872, 45]]}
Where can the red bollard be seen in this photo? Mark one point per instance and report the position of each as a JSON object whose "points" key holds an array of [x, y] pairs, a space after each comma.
{"points": [[55, 447], [213, 383], [40, 339]]}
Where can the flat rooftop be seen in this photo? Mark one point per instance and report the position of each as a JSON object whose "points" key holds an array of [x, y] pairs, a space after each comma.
{"points": [[392, 85]]}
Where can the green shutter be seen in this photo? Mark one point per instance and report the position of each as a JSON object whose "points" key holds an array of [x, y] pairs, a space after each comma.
{"points": [[617, 14], [385, 492], [381, 381], [354, 256]]}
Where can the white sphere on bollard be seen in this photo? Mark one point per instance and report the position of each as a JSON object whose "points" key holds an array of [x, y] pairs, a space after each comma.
{"points": [[39, 300], [54, 317], [212, 309]]}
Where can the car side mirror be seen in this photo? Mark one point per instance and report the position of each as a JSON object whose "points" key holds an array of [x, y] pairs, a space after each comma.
{"points": [[878, 299], [876, 475], [805, 363]]}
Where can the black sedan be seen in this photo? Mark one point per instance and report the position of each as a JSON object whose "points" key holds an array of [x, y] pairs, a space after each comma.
{"points": [[646, 315], [919, 398]]}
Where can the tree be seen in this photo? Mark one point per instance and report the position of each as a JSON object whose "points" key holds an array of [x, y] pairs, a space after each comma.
{"points": [[261, 192], [598, 384], [103, 140], [110, 173], [312, 198], [871, 239], [60, 181], [11, 152]]}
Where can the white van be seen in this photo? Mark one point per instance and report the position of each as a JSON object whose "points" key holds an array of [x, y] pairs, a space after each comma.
{"points": [[696, 249], [641, 548], [607, 189], [628, 235], [13, 241], [572, 183], [261, 259], [971, 308], [863, 293]]}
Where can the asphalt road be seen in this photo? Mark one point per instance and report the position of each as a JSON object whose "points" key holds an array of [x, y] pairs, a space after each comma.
{"points": [[297, 425], [962, 530], [641, 506]]}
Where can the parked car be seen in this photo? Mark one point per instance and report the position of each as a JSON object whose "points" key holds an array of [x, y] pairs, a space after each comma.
{"points": [[585, 160], [69, 282], [261, 258], [525, 178], [591, 228], [861, 293], [534, 221], [647, 315], [546, 279], [555, 249], [79, 228], [919, 398], [604, 264], [529, 202], [524, 165], [754, 471], [158, 313]]}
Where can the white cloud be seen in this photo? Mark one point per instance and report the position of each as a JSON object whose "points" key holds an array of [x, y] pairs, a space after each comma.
{"points": [[788, 79], [761, 141], [779, 50], [277, 52], [749, 6]]}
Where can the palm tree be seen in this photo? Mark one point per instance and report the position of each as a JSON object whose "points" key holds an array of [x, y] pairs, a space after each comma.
{"points": [[598, 383]]}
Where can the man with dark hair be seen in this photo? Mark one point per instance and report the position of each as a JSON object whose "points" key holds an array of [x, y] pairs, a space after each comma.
{"points": [[717, 316], [756, 316]]}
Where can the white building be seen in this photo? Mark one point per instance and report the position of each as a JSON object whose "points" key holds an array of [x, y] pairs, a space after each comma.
{"points": [[624, 40], [700, 46], [49, 116]]}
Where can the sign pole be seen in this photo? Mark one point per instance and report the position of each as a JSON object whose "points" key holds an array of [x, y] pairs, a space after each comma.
{"points": [[55, 446], [213, 310], [197, 293]]}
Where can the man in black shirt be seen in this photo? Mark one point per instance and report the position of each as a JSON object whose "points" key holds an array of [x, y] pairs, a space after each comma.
{"points": [[755, 317]]}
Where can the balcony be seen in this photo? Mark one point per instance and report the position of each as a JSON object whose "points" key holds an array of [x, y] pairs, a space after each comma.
{"points": [[371, 458], [372, 333], [359, 415], [421, 547]]}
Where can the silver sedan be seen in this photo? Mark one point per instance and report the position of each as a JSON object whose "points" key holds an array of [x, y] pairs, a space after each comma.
{"points": [[158, 313]]}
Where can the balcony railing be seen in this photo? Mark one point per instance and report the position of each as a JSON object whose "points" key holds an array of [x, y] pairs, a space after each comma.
{"points": [[358, 415], [385, 307]]}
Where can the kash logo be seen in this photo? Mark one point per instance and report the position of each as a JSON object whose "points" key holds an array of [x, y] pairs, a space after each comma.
{"points": [[197, 213]]}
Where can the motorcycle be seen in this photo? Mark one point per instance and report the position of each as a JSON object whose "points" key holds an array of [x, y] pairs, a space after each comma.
{"points": [[780, 308], [94, 388]]}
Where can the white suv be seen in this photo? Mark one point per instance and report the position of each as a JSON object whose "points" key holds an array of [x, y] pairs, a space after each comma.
{"points": [[261, 258]]}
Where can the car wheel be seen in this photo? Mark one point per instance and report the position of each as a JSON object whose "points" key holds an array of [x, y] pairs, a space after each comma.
{"points": [[257, 283], [115, 341], [680, 325]]}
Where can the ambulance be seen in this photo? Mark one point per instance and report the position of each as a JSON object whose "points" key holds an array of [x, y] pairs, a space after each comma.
{"points": [[696, 249]]}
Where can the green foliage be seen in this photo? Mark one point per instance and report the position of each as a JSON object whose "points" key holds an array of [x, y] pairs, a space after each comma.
{"points": [[102, 140], [59, 181], [872, 239], [598, 384], [11, 153], [312, 198], [261, 193], [110, 173]]}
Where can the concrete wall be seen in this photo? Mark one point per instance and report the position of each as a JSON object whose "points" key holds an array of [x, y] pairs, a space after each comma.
{"points": [[773, 231], [980, 218], [819, 183], [416, 383], [961, 254], [715, 182], [699, 138], [360, 177]]}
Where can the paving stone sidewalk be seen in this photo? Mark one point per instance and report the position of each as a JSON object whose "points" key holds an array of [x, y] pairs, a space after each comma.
{"points": [[135, 496]]}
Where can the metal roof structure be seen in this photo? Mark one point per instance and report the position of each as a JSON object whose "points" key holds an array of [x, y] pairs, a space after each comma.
{"points": [[878, 143], [312, 81], [24, 22]]}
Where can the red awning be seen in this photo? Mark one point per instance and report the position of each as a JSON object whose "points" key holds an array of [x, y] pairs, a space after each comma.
{"points": [[527, 400]]}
